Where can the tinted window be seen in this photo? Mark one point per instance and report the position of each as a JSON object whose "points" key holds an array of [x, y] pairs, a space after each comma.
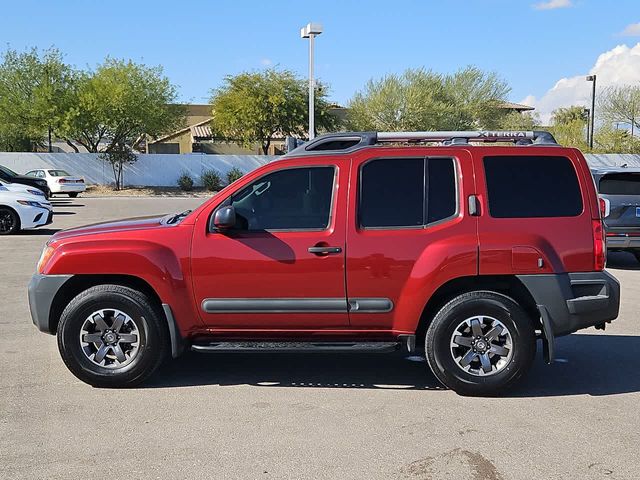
{"points": [[58, 173], [620, 184], [297, 198], [532, 186], [392, 193], [441, 201], [7, 171]]}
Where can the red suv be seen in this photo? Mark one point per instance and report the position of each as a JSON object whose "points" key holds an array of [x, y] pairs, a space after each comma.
{"points": [[351, 242]]}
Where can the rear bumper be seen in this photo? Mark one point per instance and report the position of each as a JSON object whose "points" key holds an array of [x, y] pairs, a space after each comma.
{"points": [[42, 290], [574, 301], [69, 188], [623, 241]]}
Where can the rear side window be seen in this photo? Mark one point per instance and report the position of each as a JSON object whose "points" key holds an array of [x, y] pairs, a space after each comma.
{"points": [[532, 186], [620, 184], [406, 192]]}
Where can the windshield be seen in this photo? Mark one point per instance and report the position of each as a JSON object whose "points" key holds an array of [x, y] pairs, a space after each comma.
{"points": [[8, 171], [58, 173]]}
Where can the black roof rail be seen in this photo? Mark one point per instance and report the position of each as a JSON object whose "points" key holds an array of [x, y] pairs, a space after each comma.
{"points": [[349, 141]]}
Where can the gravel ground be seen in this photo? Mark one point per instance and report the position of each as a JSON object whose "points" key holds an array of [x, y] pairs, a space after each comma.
{"points": [[308, 416]]}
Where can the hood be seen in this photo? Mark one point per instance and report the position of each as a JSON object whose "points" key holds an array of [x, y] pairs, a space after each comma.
{"points": [[137, 223], [22, 188], [12, 195]]}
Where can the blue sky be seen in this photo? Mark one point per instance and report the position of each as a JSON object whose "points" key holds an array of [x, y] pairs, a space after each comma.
{"points": [[199, 42]]}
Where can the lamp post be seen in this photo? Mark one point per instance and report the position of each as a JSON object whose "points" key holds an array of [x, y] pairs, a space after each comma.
{"points": [[310, 31], [592, 79]]}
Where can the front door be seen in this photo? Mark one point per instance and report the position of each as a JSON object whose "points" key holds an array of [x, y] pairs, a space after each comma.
{"points": [[283, 265]]}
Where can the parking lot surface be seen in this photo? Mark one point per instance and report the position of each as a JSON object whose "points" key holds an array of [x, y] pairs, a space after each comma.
{"points": [[308, 416]]}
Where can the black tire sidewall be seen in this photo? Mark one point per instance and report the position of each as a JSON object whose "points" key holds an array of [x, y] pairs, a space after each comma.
{"points": [[439, 338], [16, 224], [71, 350]]}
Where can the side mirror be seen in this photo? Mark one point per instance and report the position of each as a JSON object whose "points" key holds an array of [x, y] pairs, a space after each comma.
{"points": [[223, 219]]}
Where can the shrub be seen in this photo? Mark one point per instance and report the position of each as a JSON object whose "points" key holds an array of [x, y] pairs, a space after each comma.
{"points": [[211, 180], [185, 182], [234, 174]]}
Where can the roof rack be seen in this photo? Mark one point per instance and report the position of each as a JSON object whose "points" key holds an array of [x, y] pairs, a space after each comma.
{"points": [[349, 141]]}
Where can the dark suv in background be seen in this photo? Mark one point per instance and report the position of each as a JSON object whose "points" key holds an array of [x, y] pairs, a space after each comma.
{"points": [[10, 176], [619, 187]]}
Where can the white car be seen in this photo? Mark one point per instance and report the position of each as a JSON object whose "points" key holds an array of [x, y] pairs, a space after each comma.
{"points": [[59, 181], [21, 211], [18, 187]]}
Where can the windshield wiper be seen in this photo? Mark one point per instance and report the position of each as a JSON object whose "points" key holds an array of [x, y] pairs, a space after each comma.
{"points": [[178, 216]]}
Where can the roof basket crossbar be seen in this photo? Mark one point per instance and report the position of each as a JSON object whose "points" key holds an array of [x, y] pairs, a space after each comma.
{"points": [[349, 141]]}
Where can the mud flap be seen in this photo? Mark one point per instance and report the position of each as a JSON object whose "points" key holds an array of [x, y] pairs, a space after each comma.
{"points": [[548, 338]]}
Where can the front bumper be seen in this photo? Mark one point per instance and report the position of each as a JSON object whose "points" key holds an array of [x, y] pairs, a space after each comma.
{"points": [[573, 301], [42, 291], [37, 217]]}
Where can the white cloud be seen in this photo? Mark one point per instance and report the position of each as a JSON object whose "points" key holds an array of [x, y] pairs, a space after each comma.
{"points": [[553, 4], [618, 66], [266, 62], [632, 30]]}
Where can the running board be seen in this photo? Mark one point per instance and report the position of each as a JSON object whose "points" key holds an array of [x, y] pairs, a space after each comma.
{"points": [[291, 347]]}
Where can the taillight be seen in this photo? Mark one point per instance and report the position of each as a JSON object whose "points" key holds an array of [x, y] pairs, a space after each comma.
{"points": [[62, 180], [599, 246], [604, 207]]}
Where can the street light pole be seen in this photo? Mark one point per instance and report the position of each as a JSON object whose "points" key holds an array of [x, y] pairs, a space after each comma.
{"points": [[592, 79], [310, 31]]}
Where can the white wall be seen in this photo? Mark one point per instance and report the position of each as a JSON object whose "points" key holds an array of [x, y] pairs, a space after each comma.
{"points": [[164, 170], [149, 170]]}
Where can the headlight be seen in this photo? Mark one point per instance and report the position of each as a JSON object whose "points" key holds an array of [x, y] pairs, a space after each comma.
{"points": [[44, 258], [30, 203], [35, 192]]}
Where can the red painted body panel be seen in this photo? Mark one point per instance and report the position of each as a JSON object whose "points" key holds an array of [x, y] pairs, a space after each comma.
{"points": [[272, 264], [185, 264], [565, 243], [408, 265]]}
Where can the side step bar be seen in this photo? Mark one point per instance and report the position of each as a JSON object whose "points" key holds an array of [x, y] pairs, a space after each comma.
{"points": [[407, 341]]}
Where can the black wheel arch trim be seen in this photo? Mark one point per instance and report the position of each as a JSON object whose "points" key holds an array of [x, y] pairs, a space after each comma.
{"points": [[43, 291]]}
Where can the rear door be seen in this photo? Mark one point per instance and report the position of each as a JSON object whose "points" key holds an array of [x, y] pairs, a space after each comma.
{"points": [[408, 233]]}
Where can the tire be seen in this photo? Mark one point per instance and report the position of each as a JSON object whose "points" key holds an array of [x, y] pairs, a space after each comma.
{"points": [[9, 221], [497, 361], [73, 195], [142, 321]]}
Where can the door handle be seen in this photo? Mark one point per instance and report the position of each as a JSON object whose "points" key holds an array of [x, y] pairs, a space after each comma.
{"points": [[324, 250]]}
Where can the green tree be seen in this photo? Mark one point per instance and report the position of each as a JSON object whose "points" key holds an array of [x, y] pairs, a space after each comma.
{"points": [[121, 103], [519, 121], [36, 91], [420, 99], [567, 115], [252, 107], [569, 126], [118, 157], [612, 140], [621, 104]]}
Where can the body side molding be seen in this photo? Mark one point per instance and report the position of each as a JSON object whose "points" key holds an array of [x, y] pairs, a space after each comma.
{"points": [[296, 305]]}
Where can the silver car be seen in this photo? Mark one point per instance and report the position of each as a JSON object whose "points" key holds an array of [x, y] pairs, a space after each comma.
{"points": [[619, 187]]}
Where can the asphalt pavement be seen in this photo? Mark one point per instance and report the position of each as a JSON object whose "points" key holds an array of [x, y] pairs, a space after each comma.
{"points": [[314, 416]]}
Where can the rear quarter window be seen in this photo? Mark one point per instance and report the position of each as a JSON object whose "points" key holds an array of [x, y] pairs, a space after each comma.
{"points": [[620, 184], [532, 186]]}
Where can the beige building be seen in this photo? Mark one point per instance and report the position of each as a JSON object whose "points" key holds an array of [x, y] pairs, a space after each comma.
{"points": [[197, 137]]}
